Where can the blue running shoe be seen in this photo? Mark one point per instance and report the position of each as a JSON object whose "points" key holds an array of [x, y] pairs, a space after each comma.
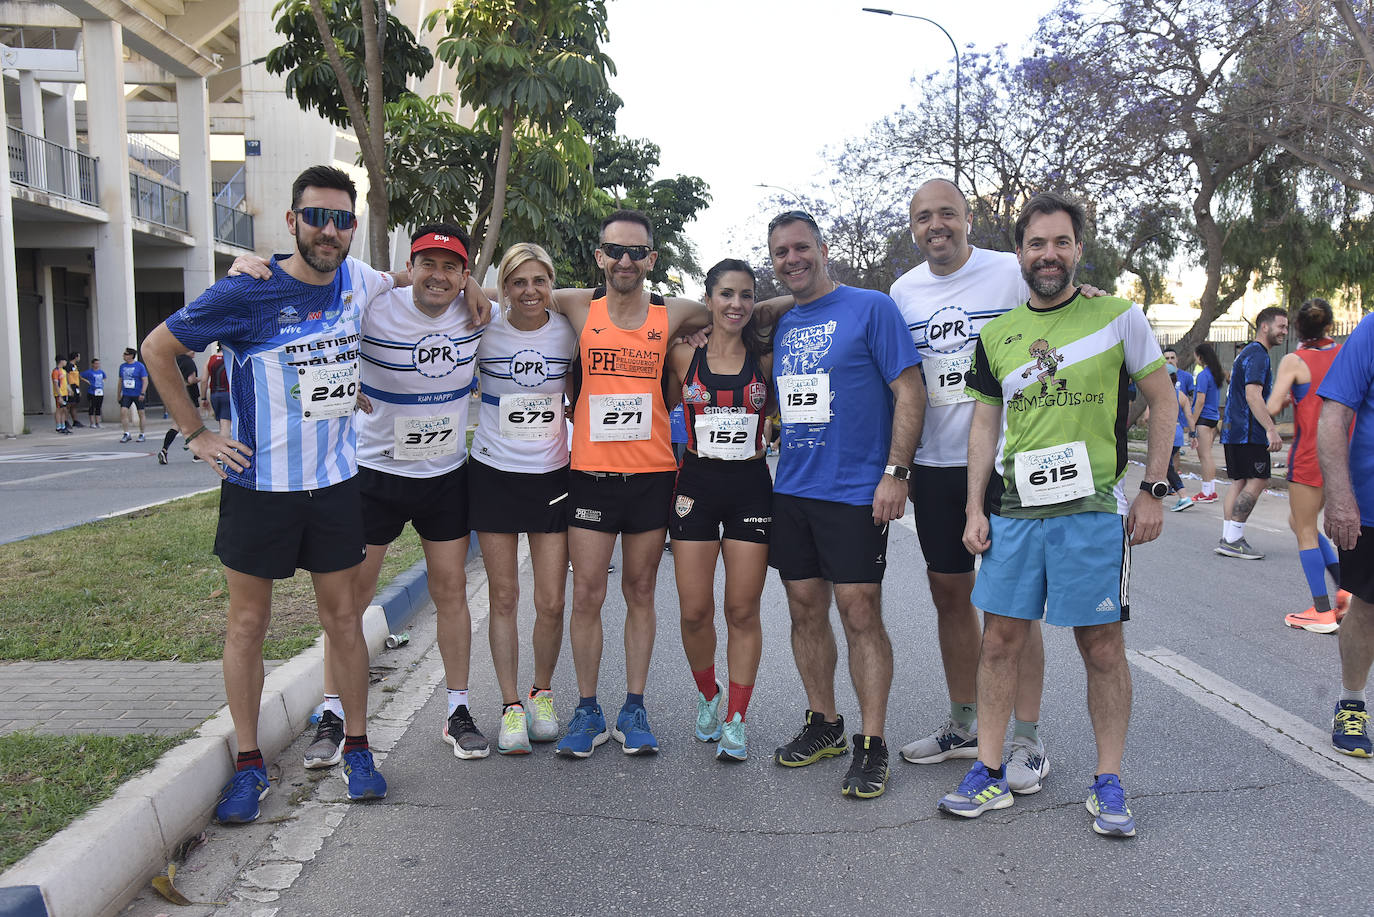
{"points": [[1107, 803], [633, 733], [238, 801], [977, 793], [732, 745], [1350, 729], [708, 715], [361, 774], [586, 731]]}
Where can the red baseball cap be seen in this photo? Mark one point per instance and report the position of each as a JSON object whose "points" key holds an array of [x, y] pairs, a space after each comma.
{"points": [[439, 240]]}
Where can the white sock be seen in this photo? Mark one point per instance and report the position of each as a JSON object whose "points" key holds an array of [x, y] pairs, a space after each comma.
{"points": [[1232, 531], [332, 704], [457, 699], [1348, 694], [1209, 488]]}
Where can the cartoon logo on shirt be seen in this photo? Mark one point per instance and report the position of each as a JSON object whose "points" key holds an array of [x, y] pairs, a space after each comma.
{"points": [[1047, 361], [948, 330], [804, 348], [529, 369], [696, 393], [435, 356]]}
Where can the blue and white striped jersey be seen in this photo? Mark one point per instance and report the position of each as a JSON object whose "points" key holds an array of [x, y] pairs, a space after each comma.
{"points": [[291, 352]]}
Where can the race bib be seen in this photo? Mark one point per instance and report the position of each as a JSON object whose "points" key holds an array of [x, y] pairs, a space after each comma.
{"points": [[620, 418], [1054, 475], [131, 382], [804, 399], [530, 417], [419, 438], [98, 391], [727, 436], [328, 390], [945, 376]]}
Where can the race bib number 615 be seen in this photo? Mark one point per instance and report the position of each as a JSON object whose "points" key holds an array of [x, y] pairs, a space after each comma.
{"points": [[1054, 475]]}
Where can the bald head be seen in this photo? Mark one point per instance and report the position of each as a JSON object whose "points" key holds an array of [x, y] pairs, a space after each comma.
{"points": [[945, 183], [940, 224]]}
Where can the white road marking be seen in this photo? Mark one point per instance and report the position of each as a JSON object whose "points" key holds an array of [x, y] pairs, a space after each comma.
{"points": [[1294, 738], [44, 477]]}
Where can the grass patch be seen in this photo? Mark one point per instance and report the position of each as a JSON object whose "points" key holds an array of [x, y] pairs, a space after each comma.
{"points": [[144, 586], [47, 781]]}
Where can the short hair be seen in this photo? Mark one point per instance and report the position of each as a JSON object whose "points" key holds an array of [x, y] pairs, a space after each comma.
{"points": [[445, 229], [1269, 314], [516, 256], [95, 359], [323, 177], [629, 216], [788, 217], [1048, 202], [1313, 319], [1170, 349], [59, 359], [75, 354], [130, 352]]}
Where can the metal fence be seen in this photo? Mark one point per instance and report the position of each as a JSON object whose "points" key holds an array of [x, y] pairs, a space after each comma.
{"points": [[232, 192], [158, 203], [154, 156], [233, 227], [46, 166]]}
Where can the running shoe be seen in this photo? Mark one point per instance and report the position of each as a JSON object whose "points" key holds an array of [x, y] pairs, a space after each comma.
{"points": [[1318, 622], [327, 748], [732, 746], [949, 741], [514, 736], [1183, 503], [162, 456], [816, 740], [1342, 604], [142, 438], [125, 438], [462, 733], [586, 731], [632, 731], [1107, 802], [238, 801], [1027, 767], [977, 792], [867, 777], [541, 717], [1204, 498], [1350, 729], [361, 774], [708, 715], [1239, 548]]}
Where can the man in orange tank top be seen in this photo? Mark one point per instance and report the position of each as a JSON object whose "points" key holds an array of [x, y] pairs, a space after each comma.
{"points": [[623, 470]]}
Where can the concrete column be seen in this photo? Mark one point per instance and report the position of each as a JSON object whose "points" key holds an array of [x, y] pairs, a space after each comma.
{"points": [[30, 104], [11, 377], [47, 327], [112, 295], [59, 115], [193, 127]]}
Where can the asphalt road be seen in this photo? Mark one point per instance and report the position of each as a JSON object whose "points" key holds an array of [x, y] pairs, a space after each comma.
{"points": [[1241, 806]]}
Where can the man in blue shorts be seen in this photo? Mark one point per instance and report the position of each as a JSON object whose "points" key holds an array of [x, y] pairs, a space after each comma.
{"points": [[849, 387], [1347, 463], [1048, 380], [290, 496], [133, 391]]}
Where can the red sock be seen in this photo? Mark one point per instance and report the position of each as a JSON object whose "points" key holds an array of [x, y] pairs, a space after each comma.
{"points": [[706, 681], [355, 743], [247, 759], [739, 700]]}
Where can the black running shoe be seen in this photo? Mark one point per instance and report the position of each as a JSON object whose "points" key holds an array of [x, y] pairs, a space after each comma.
{"points": [[327, 748], [867, 777], [817, 739]]}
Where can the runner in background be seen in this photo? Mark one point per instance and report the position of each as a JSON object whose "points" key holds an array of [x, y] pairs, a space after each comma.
{"points": [[1205, 415]]}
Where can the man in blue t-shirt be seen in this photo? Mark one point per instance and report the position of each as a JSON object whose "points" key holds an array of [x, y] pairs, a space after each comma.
{"points": [[852, 401], [133, 389], [1250, 433], [94, 377], [1347, 463]]}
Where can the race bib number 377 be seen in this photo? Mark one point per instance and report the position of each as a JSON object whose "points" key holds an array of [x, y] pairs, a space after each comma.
{"points": [[420, 438]]}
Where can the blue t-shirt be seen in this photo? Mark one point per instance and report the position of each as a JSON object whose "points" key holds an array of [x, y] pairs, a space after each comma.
{"points": [[1251, 368], [859, 340], [1183, 385], [1211, 395], [95, 381], [133, 378], [1350, 381]]}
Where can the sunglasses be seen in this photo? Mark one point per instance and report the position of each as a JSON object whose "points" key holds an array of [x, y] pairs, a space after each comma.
{"points": [[319, 217], [616, 252], [792, 216]]}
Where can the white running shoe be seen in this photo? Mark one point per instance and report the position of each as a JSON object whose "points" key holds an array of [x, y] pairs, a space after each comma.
{"points": [[949, 741], [1027, 767], [514, 737], [541, 717]]}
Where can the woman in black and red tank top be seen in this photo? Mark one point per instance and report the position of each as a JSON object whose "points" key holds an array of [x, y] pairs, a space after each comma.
{"points": [[723, 504]]}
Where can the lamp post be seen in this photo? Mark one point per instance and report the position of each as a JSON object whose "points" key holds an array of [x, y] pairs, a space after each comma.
{"points": [[794, 195], [957, 80]]}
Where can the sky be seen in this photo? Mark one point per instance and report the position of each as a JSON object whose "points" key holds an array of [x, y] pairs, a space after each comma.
{"points": [[742, 92]]}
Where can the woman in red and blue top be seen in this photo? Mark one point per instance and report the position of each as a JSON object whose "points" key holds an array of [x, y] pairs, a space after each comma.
{"points": [[723, 503], [1299, 375]]}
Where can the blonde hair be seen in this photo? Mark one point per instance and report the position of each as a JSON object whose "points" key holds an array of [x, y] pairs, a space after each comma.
{"points": [[515, 257]]}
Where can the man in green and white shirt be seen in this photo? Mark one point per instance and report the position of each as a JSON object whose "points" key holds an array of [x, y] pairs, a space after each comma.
{"points": [[1049, 379]]}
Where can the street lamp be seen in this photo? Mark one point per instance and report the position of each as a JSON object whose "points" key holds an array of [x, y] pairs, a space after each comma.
{"points": [[792, 194], [957, 80]]}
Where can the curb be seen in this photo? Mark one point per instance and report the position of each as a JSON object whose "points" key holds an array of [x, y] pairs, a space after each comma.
{"points": [[124, 841], [1136, 450]]}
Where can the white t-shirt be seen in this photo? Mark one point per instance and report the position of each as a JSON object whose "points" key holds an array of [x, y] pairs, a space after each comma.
{"points": [[945, 315], [524, 374], [418, 372]]}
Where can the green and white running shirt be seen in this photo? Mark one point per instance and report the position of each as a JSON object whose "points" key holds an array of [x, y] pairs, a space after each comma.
{"points": [[1060, 376]]}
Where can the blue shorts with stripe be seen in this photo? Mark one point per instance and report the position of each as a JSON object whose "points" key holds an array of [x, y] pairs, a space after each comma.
{"points": [[1073, 571]]}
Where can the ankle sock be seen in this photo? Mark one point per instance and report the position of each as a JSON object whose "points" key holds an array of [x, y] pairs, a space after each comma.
{"points": [[963, 715], [247, 759], [1348, 694], [535, 689], [333, 705], [995, 773], [1209, 488], [706, 681], [1232, 531], [355, 743], [739, 700], [457, 698], [587, 701], [634, 700], [1028, 729]]}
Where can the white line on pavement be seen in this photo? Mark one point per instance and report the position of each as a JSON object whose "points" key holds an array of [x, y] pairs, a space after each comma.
{"points": [[1294, 738], [44, 477]]}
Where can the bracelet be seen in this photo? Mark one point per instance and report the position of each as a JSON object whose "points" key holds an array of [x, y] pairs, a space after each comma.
{"points": [[194, 433]]}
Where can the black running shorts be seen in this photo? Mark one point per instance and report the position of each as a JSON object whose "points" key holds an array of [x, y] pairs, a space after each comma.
{"points": [[620, 503], [820, 539], [1357, 567], [437, 507], [270, 534], [511, 502], [938, 496], [1247, 460], [713, 495]]}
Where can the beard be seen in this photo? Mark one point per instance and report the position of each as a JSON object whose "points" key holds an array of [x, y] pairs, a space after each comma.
{"points": [[324, 262], [624, 284], [1047, 287]]}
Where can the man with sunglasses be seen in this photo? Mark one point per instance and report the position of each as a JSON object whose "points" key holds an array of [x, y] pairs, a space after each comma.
{"points": [[290, 496], [852, 401]]}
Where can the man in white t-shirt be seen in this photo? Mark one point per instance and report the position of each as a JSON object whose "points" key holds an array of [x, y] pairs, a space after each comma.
{"points": [[946, 301]]}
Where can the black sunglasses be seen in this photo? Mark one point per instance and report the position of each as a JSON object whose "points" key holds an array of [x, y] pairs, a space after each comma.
{"points": [[319, 217], [792, 216], [616, 252]]}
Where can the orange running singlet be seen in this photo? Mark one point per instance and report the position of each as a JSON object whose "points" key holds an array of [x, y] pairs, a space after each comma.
{"points": [[621, 423]]}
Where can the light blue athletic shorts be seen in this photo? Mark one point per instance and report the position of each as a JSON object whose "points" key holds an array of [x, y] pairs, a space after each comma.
{"points": [[1073, 571]]}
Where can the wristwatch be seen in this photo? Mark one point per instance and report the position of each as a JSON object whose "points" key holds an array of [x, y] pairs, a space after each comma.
{"points": [[1156, 489], [900, 472]]}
